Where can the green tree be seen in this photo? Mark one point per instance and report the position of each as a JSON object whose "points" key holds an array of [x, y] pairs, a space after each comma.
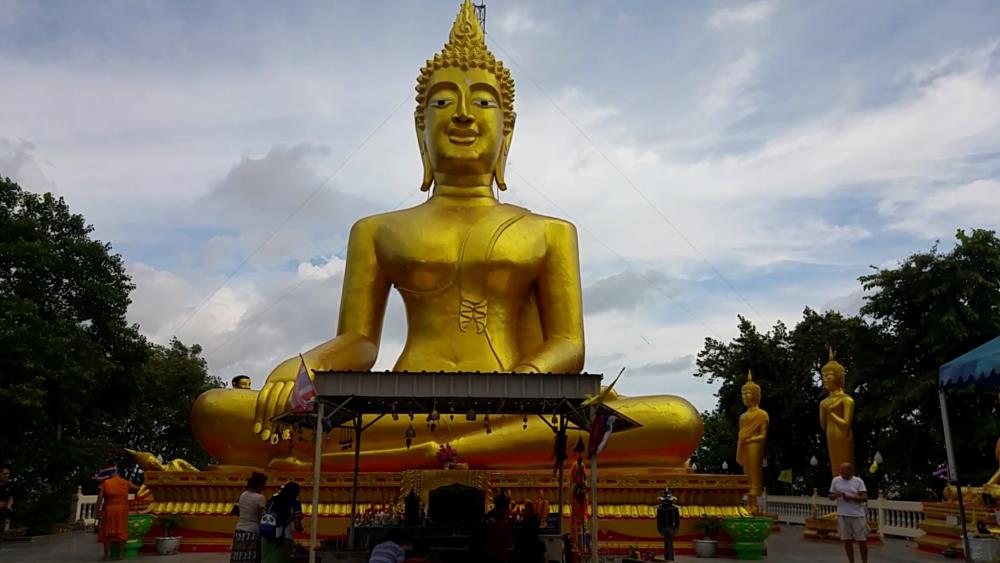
{"points": [[77, 381], [68, 352], [932, 308], [157, 420]]}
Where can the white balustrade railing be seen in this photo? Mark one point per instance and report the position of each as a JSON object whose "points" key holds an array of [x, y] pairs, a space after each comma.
{"points": [[894, 517], [86, 508]]}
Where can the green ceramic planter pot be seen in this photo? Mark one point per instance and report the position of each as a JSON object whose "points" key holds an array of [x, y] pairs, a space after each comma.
{"points": [[748, 535], [138, 526]]}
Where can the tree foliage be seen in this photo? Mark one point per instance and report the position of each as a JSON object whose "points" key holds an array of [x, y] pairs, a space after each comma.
{"points": [[930, 309], [77, 381]]}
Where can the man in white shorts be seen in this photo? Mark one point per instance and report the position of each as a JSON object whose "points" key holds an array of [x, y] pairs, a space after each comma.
{"points": [[852, 523]]}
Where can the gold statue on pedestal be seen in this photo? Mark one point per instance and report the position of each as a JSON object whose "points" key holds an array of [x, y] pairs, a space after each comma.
{"points": [[753, 435], [836, 415], [487, 287]]}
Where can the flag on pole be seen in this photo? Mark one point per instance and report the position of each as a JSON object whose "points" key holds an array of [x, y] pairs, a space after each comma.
{"points": [[304, 392], [785, 476], [941, 472], [609, 427]]}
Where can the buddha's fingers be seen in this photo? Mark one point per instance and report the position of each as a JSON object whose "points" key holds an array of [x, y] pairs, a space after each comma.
{"points": [[260, 415], [285, 396], [272, 407]]}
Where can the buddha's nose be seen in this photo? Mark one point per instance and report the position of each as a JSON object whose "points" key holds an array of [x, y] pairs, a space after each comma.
{"points": [[462, 115]]}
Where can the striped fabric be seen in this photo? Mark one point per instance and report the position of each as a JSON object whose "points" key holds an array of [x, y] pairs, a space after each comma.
{"points": [[387, 552]]}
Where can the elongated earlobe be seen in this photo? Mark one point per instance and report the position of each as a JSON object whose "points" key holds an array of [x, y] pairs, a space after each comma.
{"points": [[428, 179], [501, 168]]}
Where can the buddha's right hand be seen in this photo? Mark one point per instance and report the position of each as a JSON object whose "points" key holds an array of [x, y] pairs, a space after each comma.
{"points": [[274, 397], [345, 352]]}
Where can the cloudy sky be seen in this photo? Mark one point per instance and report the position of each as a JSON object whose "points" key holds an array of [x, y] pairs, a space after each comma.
{"points": [[719, 158]]}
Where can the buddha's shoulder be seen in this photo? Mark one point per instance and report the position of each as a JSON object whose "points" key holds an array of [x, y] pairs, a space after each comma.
{"points": [[551, 224]]}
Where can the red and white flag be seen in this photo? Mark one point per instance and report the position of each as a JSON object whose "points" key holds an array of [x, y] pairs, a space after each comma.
{"points": [[304, 392]]}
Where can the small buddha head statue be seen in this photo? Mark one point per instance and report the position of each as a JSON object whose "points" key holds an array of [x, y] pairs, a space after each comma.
{"points": [[465, 108], [241, 382], [833, 373], [750, 392]]}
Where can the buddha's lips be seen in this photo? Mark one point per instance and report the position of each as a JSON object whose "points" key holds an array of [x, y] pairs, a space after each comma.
{"points": [[463, 136]]}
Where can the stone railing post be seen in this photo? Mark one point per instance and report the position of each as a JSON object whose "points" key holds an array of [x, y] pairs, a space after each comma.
{"points": [[78, 508], [881, 511]]}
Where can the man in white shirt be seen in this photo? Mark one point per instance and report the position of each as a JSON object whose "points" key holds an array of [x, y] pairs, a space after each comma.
{"points": [[852, 523]]}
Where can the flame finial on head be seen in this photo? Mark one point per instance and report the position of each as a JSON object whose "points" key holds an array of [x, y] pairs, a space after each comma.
{"points": [[832, 365], [751, 386]]}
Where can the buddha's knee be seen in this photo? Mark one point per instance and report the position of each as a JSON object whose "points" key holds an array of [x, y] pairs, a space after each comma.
{"points": [[670, 432], [222, 422]]}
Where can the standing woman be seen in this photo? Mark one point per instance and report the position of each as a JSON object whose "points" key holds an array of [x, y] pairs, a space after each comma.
{"points": [[276, 539], [112, 505], [246, 539]]}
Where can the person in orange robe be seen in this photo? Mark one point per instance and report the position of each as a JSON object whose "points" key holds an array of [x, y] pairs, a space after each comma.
{"points": [[112, 505]]}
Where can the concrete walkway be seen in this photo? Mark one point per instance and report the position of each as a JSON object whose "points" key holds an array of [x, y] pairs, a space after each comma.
{"points": [[784, 547]]}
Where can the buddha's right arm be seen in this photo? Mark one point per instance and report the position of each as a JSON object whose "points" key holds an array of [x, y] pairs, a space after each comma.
{"points": [[362, 309]]}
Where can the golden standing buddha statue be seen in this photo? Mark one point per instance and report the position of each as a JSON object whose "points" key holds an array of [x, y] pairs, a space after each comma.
{"points": [[752, 437], [836, 415], [487, 287]]}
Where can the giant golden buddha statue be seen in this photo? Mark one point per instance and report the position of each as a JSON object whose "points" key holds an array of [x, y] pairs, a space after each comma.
{"points": [[752, 438], [836, 415], [487, 287]]}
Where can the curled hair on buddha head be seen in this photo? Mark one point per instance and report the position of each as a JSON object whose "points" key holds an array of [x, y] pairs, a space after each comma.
{"points": [[834, 367], [466, 48], [751, 386]]}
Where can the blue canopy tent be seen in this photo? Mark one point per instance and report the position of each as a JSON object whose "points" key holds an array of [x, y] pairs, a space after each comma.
{"points": [[979, 367]]}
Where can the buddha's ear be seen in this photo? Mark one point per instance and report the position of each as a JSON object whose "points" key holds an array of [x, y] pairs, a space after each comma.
{"points": [[428, 179], [501, 168]]}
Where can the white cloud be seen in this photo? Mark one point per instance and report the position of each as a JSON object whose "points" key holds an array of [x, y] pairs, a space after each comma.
{"points": [[747, 13], [729, 90], [519, 20], [17, 162], [940, 212]]}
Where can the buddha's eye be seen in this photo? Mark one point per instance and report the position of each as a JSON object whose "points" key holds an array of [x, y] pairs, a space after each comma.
{"points": [[484, 103], [441, 102]]}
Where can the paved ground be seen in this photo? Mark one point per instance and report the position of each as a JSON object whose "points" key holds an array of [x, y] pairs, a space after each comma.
{"points": [[784, 547]]}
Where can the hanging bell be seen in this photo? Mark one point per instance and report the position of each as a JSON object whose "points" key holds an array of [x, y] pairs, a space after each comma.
{"points": [[471, 415], [524, 421], [410, 435], [555, 419]]}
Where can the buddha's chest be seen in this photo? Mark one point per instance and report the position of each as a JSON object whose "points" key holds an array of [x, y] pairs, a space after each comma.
{"points": [[435, 253]]}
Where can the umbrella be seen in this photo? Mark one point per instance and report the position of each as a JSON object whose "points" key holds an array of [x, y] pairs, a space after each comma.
{"points": [[979, 367]]}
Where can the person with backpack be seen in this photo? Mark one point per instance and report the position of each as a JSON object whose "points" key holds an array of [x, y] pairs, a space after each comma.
{"points": [[250, 509], [282, 514]]}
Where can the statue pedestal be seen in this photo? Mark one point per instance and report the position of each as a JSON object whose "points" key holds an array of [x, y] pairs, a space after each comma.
{"points": [[627, 500], [943, 530]]}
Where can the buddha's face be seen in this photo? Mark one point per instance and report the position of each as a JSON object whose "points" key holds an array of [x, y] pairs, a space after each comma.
{"points": [[749, 398], [463, 124], [241, 383], [832, 380]]}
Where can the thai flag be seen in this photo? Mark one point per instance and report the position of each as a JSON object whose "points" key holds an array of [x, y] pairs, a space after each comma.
{"points": [[105, 473], [304, 392], [941, 472]]}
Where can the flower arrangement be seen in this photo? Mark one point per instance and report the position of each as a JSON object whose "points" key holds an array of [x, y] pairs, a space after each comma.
{"points": [[447, 454]]}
